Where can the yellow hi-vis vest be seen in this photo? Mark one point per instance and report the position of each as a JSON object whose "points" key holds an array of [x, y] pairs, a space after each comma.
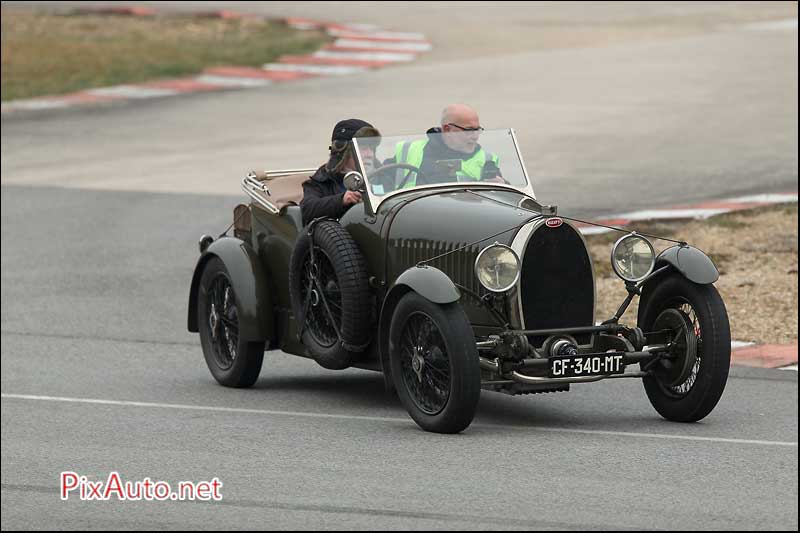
{"points": [[411, 153]]}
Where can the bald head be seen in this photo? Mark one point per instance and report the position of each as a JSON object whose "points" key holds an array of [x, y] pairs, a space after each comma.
{"points": [[460, 125], [460, 114]]}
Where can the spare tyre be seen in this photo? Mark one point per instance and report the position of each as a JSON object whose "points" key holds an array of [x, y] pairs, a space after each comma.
{"points": [[330, 294]]}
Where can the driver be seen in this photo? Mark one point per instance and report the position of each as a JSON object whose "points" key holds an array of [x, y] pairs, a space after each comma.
{"points": [[456, 140], [324, 193]]}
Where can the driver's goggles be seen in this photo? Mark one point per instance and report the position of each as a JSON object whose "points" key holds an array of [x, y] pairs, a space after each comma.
{"points": [[370, 143]]}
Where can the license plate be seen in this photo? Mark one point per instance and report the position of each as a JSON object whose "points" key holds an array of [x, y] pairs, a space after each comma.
{"points": [[585, 365]]}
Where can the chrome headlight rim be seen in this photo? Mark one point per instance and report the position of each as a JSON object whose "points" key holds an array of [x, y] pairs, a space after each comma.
{"points": [[633, 235], [511, 285]]}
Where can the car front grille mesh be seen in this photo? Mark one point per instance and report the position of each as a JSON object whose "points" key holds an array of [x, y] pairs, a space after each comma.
{"points": [[557, 282]]}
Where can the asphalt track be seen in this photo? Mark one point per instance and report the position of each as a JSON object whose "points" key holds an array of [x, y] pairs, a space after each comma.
{"points": [[698, 111], [101, 211]]}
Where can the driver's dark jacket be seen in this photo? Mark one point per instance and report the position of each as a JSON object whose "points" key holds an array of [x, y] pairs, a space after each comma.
{"points": [[322, 196]]}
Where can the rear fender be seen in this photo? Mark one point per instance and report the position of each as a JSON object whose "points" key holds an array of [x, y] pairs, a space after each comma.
{"points": [[253, 299]]}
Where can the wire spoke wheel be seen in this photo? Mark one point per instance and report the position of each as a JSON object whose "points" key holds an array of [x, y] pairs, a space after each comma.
{"points": [[319, 286], [678, 374], [332, 303], [425, 363], [223, 321], [686, 385], [233, 352], [433, 363]]}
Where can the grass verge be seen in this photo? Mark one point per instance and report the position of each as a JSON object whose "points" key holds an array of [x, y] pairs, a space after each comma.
{"points": [[46, 53]]}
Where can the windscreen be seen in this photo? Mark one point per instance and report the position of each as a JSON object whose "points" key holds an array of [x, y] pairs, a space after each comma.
{"points": [[467, 157]]}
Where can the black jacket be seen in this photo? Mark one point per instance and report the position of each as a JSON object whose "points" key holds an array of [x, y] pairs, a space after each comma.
{"points": [[322, 196]]}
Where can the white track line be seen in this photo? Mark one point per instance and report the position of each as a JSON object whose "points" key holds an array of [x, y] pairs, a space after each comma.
{"points": [[365, 56], [132, 91], [765, 198], [232, 81], [377, 35], [34, 104], [386, 419], [741, 344], [594, 230], [360, 28], [325, 70], [385, 45]]}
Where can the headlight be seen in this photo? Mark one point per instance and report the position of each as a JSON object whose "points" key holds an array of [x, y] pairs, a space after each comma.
{"points": [[497, 267], [633, 257]]}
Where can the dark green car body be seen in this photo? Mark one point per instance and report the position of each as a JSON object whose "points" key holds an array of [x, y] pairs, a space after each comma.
{"points": [[406, 230], [421, 251]]}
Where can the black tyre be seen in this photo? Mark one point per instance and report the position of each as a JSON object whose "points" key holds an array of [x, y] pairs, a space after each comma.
{"points": [[687, 387], [434, 363], [330, 295], [232, 361]]}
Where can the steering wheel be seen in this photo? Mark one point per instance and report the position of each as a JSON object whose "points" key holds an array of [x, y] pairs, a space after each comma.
{"points": [[395, 166]]}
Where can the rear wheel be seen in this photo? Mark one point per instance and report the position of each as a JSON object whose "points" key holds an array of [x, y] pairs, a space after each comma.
{"points": [[687, 386], [232, 361], [434, 363]]}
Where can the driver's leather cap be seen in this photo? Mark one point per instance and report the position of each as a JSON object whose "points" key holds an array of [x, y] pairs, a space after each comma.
{"points": [[346, 129]]}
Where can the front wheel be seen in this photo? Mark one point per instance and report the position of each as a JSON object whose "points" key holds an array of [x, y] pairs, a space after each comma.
{"points": [[687, 387], [232, 361], [434, 363]]}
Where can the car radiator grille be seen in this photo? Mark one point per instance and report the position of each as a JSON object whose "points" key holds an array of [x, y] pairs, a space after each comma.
{"points": [[458, 265], [557, 282]]}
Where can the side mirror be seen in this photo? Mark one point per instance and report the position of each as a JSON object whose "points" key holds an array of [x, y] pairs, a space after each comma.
{"points": [[353, 181], [205, 242]]}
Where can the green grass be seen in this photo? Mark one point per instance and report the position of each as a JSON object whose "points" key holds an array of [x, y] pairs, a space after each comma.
{"points": [[47, 53]]}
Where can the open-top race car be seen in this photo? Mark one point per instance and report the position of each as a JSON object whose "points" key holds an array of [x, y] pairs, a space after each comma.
{"points": [[450, 277]]}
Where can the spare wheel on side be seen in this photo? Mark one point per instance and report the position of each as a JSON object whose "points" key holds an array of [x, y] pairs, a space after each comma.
{"points": [[330, 294]]}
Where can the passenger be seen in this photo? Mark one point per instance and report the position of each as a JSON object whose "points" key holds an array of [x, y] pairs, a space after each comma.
{"points": [[324, 193], [456, 139]]}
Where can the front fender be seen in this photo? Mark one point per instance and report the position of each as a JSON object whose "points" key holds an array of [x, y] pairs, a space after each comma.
{"points": [[695, 265], [428, 282], [253, 299]]}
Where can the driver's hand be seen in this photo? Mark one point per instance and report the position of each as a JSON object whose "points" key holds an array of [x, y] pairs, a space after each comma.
{"points": [[351, 197]]}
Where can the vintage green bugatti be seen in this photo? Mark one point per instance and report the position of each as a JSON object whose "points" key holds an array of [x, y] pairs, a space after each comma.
{"points": [[452, 280]]}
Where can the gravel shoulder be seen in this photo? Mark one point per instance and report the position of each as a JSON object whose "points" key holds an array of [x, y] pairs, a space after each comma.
{"points": [[756, 253]]}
